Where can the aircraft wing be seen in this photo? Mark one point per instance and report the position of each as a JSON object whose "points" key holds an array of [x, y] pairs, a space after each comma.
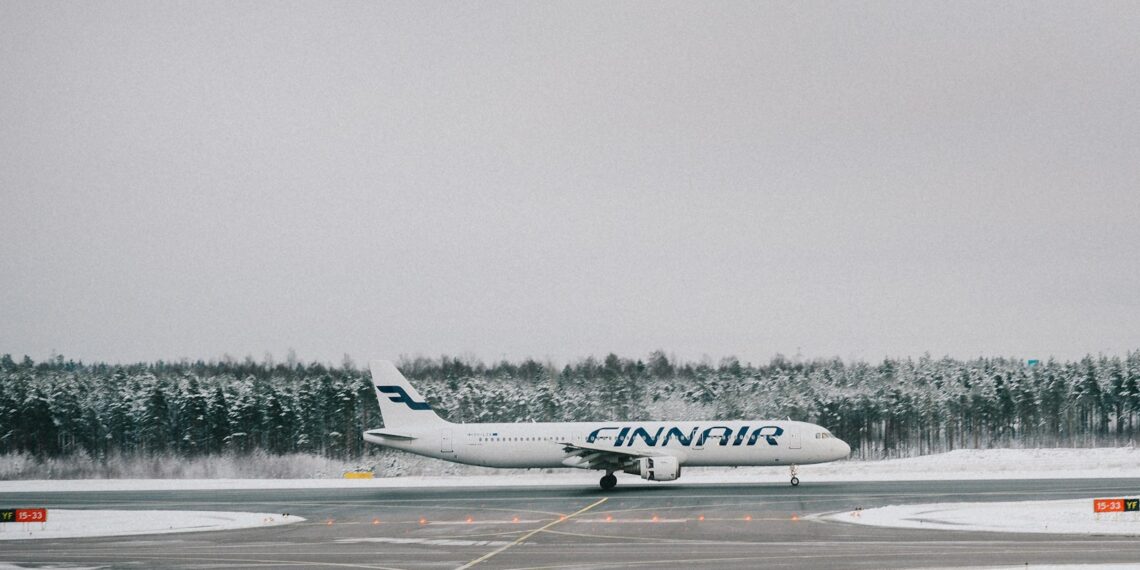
{"points": [[590, 456]]}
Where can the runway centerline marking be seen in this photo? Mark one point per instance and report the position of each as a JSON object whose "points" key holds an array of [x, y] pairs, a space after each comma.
{"points": [[523, 538]]}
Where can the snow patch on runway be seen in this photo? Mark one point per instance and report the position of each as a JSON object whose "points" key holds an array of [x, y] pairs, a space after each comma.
{"points": [[67, 523], [1074, 516]]}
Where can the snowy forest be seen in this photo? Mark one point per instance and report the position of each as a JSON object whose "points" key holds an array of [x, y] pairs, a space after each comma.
{"points": [[896, 408]]}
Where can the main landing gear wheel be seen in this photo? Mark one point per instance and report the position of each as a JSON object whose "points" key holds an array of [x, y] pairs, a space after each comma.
{"points": [[795, 480], [609, 481]]}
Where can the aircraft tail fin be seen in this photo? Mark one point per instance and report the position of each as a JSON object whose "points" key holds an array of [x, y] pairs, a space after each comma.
{"points": [[400, 404]]}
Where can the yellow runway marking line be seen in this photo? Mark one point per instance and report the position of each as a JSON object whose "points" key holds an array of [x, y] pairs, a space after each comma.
{"points": [[524, 537]]}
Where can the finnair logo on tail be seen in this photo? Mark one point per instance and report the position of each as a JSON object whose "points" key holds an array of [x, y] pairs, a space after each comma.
{"points": [[402, 397]]}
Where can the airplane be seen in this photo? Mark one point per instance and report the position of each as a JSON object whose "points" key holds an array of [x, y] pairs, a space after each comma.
{"points": [[653, 450]]}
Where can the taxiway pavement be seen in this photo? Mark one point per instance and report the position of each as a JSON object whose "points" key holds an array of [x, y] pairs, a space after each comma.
{"points": [[634, 525]]}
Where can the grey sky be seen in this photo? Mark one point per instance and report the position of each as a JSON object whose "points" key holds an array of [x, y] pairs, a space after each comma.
{"points": [[556, 180]]}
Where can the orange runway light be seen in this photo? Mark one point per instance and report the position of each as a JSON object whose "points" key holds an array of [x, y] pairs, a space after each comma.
{"points": [[747, 517], [470, 519], [515, 520], [795, 517], [701, 518], [609, 518], [329, 522], [655, 519], [423, 520], [375, 521]]}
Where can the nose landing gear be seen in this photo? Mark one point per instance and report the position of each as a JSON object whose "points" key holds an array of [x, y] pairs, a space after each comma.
{"points": [[795, 480]]}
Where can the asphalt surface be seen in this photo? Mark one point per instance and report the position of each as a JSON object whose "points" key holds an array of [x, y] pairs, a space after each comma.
{"points": [[678, 526]]}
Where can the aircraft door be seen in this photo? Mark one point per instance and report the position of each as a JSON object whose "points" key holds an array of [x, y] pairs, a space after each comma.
{"points": [[445, 442], [794, 440]]}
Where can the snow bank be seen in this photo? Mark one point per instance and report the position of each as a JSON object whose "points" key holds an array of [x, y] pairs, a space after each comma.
{"points": [[1050, 463], [66, 523], [1074, 516], [956, 465]]}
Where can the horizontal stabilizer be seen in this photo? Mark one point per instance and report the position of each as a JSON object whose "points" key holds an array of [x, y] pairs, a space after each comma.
{"points": [[389, 434]]}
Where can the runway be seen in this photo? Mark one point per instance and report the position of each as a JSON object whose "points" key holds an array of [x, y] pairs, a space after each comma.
{"points": [[677, 526]]}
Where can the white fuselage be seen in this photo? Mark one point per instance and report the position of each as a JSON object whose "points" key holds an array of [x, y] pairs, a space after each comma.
{"points": [[542, 445]]}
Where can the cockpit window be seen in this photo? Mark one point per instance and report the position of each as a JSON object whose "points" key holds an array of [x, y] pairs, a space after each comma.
{"points": [[824, 435]]}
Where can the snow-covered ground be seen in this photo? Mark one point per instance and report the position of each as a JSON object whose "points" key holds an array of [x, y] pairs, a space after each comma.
{"points": [[1039, 567], [1056, 517], [66, 523], [956, 465]]}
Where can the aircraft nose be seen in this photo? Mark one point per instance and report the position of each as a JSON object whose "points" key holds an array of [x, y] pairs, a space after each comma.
{"points": [[843, 449]]}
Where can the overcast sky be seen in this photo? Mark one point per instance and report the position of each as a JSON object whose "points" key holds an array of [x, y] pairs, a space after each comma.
{"points": [[510, 180]]}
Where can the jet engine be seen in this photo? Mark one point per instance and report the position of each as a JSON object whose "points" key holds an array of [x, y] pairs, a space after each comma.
{"points": [[663, 468]]}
